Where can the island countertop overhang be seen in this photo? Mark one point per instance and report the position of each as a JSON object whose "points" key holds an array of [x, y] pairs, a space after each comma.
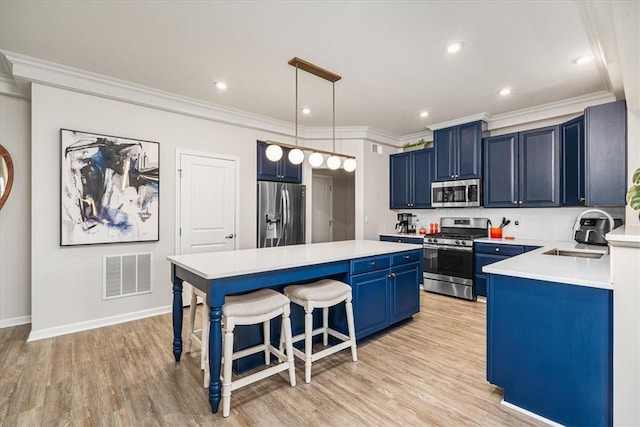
{"points": [[215, 265]]}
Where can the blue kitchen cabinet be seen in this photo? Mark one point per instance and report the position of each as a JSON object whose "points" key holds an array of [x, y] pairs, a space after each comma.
{"points": [[385, 290], [550, 346], [282, 170], [606, 154], [458, 151], [523, 169], [410, 176], [488, 253], [572, 178]]}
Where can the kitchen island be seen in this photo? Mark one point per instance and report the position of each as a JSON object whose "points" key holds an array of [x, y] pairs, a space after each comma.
{"points": [[549, 333], [384, 277]]}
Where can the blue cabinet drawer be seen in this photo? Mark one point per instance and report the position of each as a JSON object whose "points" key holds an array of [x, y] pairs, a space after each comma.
{"points": [[497, 249], [365, 265], [405, 258]]}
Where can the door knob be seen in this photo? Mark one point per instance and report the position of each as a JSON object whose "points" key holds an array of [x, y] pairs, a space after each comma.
{"points": [[229, 236]]}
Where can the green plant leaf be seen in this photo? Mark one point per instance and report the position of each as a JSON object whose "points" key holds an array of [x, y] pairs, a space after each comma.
{"points": [[636, 177], [633, 196]]}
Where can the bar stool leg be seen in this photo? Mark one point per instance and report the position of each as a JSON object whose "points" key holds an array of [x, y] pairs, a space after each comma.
{"points": [[351, 327], [308, 335], [226, 376], [286, 327], [325, 326], [266, 330], [192, 320]]}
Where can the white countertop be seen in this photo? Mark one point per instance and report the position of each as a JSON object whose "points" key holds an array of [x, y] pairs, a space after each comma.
{"points": [[410, 235], [561, 269], [626, 235], [215, 265]]}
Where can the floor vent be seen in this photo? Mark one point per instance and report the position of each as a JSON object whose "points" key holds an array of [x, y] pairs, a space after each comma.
{"points": [[126, 275]]}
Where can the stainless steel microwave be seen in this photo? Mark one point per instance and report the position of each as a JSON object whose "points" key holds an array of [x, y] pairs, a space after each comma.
{"points": [[456, 194]]}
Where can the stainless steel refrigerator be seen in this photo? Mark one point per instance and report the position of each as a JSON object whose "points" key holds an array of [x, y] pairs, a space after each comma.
{"points": [[281, 214]]}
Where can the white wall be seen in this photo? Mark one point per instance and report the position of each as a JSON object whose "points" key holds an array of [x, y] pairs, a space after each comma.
{"points": [[15, 233], [67, 282], [377, 216]]}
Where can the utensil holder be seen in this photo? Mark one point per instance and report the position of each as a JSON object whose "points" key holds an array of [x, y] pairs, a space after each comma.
{"points": [[495, 232]]}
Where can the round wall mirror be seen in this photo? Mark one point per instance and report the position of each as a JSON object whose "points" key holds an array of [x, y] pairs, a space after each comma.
{"points": [[6, 175]]}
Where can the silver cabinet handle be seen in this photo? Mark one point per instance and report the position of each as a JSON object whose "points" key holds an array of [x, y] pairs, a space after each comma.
{"points": [[497, 249], [392, 275], [229, 236], [407, 257], [373, 263]]}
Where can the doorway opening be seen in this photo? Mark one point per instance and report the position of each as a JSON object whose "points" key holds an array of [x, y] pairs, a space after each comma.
{"points": [[332, 205]]}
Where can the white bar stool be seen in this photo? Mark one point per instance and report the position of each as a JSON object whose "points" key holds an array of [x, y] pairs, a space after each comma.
{"points": [[201, 336], [323, 294], [256, 307]]}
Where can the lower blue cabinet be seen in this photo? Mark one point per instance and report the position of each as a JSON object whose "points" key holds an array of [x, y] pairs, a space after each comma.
{"points": [[488, 253], [550, 348], [388, 294]]}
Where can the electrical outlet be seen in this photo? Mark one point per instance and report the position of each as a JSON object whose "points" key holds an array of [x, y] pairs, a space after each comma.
{"points": [[516, 222]]}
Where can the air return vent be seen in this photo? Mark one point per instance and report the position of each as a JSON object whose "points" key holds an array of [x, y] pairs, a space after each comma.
{"points": [[126, 275]]}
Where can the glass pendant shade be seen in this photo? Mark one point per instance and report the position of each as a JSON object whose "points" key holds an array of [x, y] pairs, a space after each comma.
{"points": [[296, 156], [274, 152], [349, 165], [316, 159], [333, 162]]}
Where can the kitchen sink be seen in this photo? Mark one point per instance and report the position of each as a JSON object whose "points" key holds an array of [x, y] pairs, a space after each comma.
{"points": [[576, 254]]}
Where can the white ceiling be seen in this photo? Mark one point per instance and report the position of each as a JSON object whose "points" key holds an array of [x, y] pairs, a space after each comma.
{"points": [[391, 54]]}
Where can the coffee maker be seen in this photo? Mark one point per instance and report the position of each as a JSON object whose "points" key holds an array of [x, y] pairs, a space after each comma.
{"points": [[406, 223]]}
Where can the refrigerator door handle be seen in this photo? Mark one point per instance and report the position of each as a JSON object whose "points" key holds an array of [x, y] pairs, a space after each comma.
{"points": [[283, 194], [288, 211]]}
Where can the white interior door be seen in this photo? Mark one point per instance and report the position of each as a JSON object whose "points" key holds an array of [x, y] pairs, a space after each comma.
{"points": [[206, 206], [322, 205]]}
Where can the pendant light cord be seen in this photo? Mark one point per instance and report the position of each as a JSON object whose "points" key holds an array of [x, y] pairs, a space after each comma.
{"points": [[296, 105], [333, 85]]}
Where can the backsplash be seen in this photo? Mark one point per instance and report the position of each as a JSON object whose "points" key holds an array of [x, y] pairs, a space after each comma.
{"points": [[534, 223]]}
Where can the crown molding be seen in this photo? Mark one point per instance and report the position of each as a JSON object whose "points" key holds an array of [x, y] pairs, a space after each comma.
{"points": [[550, 110], [461, 121], [8, 86], [27, 70]]}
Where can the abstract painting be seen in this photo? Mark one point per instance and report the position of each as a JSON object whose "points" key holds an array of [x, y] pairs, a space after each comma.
{"points": [[109, 189]]}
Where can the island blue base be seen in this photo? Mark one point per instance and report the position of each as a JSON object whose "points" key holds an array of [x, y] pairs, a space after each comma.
{"points": [[549, 346]]}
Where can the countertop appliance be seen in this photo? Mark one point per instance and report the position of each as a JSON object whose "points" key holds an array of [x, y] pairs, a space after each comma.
{"points": [[456, 194], [592, 230], [406, 223], [448, 256], [281, 214]]}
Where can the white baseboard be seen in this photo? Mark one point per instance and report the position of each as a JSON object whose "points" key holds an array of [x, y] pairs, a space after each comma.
{"points": [[15, 321], [97, 323], [531, 414]]}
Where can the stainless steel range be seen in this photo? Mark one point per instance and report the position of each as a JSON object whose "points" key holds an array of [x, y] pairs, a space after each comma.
{"points": [[448, 256]]}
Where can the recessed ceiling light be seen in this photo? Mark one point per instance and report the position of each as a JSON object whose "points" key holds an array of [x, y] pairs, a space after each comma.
{"points": [[221, 85], [306, 111], [454, 47], [506, 91], [583, 60], [424, 114]]}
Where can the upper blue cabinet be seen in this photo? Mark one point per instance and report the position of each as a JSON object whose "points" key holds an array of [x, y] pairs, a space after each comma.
{"points": [[572, 171], [282, 170], [606, 154], [458, 151], [410, 176], [523, 169]]}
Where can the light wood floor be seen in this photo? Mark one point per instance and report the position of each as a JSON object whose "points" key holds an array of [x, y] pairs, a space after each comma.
{"points": [[428, 371]]}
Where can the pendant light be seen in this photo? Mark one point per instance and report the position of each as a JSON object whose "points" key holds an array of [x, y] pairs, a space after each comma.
{"points": [[296, 156]]}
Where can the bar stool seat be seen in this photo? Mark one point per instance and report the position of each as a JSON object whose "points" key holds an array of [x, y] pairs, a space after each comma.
{"points": [[252, 308], [323, 294]]}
